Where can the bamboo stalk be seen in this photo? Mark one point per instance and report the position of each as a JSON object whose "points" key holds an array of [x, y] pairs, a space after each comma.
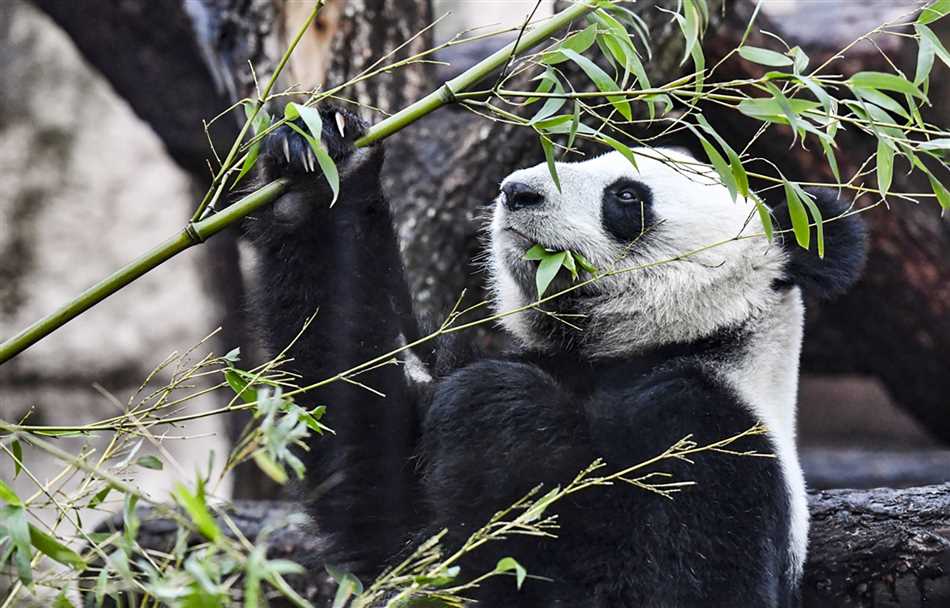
{"points": [[196, 232]]}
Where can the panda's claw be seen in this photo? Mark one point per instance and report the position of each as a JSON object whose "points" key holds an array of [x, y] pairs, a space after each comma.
{"points": [[340, 123], [287, 150]]}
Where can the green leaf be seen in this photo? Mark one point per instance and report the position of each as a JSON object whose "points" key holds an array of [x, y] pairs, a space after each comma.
{"points": [[771, 110], [800, 59], [826, 146], [548, 79], [576, 43], [885, 165], [8, 496], [17, 451], [508, 564], [311, 118], [13, 520], [233, 356], [941, 143], [943, 196], [816, 216], [347, 585], [550, 107], [691, 24], [548, 148], [99, 497], [925, 58], [62, 601], [765, 57], [765, 216], [197, 509], [735, 165], [719, 163], [882, 100], [796, 211], [884, 81], [270, 467], [240, 386], [150, 462], [570, 265], [935, 11], [622, 148], [547, 270], [537, 252], [941, 51], [55, 550], [602, 81], [583, 263]]}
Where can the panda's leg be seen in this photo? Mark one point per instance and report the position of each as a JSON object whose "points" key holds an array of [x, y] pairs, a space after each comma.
{"points": [[342, 265]]}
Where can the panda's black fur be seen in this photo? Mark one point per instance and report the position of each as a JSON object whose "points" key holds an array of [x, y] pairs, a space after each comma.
{"points": [[450, 452]]}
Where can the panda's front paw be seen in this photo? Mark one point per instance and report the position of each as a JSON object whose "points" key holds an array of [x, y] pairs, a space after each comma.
{"points": [[287, 153]]}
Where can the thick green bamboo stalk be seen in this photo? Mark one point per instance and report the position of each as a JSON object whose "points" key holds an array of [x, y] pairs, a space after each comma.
{"points": [[197, 232]]}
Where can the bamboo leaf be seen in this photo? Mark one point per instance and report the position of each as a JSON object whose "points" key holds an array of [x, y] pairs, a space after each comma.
{"points": [[13, 520], [548, 148], [551, 105], [719, 163], [602, 81], [816, 216], [17, 451], [771, 110], [882, 100], [576, 43], [622, 148], [508, 564], [935, 11], [583, 263], [150, 462], [547, 270], [884, 81], [537, 252], [55, 550], [765, 217], [270, 467], [8, 496], [765, 57], [826, 146], [796, 212], [885, 165], [940, 191], [311, 118], [240, 386], [197, 509], [735, 165], [925, 58], [928, 35]]}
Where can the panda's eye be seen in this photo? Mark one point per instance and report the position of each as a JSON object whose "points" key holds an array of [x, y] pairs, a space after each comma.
{"points": [[628, 196]]}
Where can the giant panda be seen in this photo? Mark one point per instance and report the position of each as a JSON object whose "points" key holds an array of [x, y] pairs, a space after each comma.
{"points": [[694, 339]]}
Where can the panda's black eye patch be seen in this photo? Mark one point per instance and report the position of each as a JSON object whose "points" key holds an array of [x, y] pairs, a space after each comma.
{"points": [[627, 209]]}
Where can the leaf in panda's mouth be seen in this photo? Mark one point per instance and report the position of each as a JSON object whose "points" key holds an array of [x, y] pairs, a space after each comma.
{"points": [[550, 262]]}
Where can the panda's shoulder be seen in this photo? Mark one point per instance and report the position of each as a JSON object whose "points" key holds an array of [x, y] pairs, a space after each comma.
{"points": [[681, 394]]}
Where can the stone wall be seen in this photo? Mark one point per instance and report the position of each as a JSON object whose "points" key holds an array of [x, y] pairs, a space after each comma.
{"points": [[86, 187]]}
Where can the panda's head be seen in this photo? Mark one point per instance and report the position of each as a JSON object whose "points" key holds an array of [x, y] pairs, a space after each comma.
{"points": [[684, 260]]}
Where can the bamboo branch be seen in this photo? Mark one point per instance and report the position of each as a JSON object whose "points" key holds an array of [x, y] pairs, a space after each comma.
{"points": [[196, 232]]}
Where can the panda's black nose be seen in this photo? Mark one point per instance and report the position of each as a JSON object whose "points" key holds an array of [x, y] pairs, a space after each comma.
{"points": [[519, 196]]}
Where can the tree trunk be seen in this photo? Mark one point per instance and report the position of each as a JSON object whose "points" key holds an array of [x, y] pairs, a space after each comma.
{"points": [[868, 548]]}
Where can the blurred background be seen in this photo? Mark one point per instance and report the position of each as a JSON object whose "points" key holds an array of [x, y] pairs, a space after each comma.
{"points": [[102, 155]]}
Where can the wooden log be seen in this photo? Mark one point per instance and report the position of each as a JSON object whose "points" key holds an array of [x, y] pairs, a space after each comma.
{"points": [[868, 548]]}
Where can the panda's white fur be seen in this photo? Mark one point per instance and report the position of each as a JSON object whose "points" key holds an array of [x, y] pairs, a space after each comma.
{"points": [[703, 266]]}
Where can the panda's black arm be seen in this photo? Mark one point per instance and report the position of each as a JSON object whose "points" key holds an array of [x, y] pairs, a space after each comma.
{"points": [[341, 264]]}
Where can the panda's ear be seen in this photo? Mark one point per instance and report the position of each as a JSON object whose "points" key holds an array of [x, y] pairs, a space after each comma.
{"points": [[845, 248]]}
